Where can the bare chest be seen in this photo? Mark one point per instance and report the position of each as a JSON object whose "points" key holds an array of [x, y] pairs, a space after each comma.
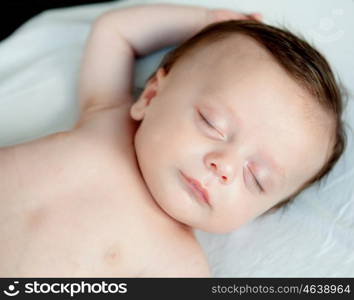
{"points": [[75, 206]]}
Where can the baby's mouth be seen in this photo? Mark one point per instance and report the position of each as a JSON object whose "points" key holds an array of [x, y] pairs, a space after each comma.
{"points": [[196, 188]]}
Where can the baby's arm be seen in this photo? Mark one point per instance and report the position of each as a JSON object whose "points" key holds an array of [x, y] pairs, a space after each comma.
{"points": [[118, 36]]}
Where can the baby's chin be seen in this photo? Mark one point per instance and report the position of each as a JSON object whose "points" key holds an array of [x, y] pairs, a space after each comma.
{"points": [[173, 201], [169, 194], [191, 218]]}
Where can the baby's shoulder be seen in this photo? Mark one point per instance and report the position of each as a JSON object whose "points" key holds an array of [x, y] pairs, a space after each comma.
{"points": [[110, 126], [190, 262], [182, 256]]}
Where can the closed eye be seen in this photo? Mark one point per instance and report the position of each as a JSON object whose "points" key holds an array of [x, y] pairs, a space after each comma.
{"points": [[255, 181], [207, 123], [258, 184]]}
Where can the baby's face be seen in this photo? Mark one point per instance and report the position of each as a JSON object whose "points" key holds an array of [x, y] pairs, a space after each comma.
{"points": [[226, 121]]}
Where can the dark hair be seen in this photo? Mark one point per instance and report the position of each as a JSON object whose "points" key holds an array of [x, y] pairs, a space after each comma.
{"points": [[298, 58]]}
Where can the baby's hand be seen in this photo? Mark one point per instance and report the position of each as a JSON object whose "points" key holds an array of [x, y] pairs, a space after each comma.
{"points": [[219, 15]]}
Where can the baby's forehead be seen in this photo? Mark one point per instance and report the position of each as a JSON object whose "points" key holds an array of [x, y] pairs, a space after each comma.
{"points": [[230, 50], [226, 62], [239, 61], [240, 64]]}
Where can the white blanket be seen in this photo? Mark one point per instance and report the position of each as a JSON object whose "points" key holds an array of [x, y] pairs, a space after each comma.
{"points": [[314, 237]]}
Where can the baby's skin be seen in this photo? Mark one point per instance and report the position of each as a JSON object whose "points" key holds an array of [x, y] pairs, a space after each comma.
{"points": [[100, 201], [74, 204]]}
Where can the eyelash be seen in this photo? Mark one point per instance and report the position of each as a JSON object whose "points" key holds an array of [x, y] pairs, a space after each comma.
{"points": [[259, 187], [206, 121], [211, 126], [257, 184]]}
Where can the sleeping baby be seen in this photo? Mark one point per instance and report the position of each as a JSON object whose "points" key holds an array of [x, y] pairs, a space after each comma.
{"points": [[234, 123]]}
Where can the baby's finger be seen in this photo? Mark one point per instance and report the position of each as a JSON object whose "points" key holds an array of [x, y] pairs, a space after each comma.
{"points": [[256, 16], [219, 15]]}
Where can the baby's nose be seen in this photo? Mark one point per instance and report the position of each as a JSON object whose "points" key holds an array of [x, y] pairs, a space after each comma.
{"points": [[225, 173]]}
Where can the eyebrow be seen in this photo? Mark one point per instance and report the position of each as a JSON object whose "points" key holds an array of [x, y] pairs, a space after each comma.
{"points": [[274, 166]]}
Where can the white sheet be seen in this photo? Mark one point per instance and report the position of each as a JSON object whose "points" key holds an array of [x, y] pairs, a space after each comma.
{"points": [[314, 237]]}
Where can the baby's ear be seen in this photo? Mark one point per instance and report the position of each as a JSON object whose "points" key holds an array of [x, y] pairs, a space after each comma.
{"points": [[156, 81], [137, 110], [153, 86]]}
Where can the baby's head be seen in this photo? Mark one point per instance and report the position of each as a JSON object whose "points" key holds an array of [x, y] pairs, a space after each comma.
{"points": [[250, 111]]}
